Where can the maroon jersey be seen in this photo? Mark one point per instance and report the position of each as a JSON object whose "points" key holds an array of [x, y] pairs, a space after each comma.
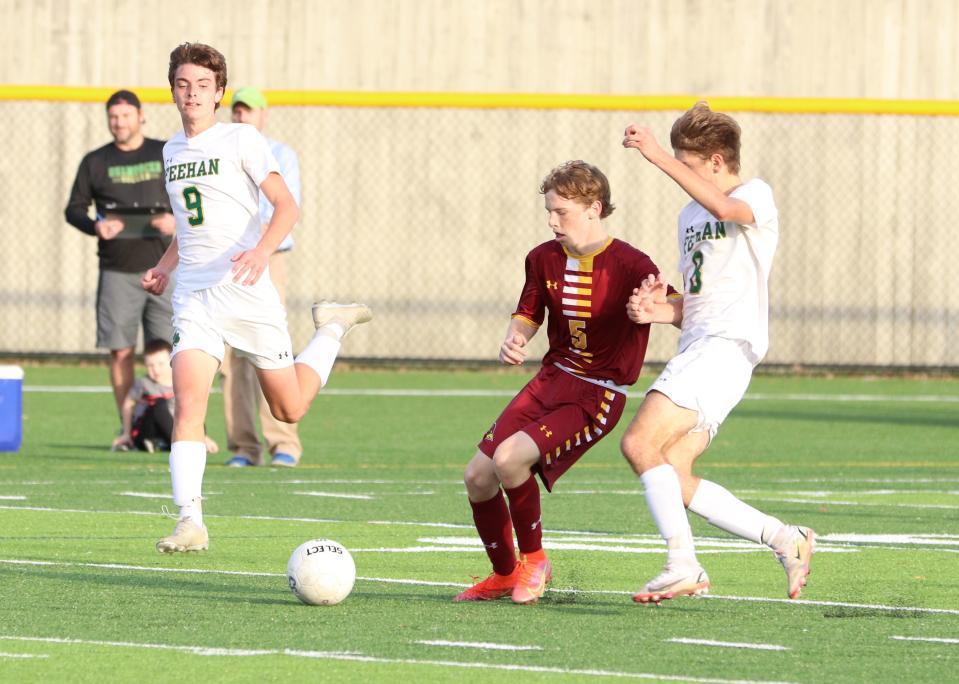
{"points": [[589, 332]]}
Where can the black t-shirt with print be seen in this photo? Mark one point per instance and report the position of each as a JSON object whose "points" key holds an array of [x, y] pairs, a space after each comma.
{"points": [[112, 178]]}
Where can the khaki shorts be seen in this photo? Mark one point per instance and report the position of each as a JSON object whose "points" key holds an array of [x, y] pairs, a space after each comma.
{"points": [[710, 377], [249, 318]]}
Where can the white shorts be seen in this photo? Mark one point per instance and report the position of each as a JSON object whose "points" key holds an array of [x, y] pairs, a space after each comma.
{"points": [[249, 318], [709, 377]]}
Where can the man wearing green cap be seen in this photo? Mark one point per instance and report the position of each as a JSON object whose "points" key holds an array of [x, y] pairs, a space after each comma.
{"points": [[241, 391]]}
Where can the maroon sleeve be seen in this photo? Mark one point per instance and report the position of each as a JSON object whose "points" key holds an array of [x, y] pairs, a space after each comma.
{"points": [[646, 267], [531, 305]]}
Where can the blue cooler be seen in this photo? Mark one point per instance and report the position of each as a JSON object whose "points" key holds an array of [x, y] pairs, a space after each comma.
{"points": [[11, 407]]}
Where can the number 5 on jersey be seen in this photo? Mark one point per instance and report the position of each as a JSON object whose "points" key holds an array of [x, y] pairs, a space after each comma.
{"points": [[193, 201], [577, 331]]}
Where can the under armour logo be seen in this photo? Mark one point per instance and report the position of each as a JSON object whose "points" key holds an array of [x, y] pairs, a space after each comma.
{"points": [[492, 545], [552, 284], [284, 355], [536, 524], [545, 430]]}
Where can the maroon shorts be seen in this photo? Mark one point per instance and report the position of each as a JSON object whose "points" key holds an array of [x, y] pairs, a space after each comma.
{"points": [[563, 414]]}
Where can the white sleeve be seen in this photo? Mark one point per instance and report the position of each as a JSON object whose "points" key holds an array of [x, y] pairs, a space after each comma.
{"points": [[255, 155], [759, 196]]}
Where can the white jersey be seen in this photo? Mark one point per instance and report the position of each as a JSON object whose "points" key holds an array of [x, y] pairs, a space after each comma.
{"points": [[213, 180], [725, 269]]}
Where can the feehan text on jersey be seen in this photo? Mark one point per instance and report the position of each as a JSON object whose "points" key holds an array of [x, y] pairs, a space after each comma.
{"points": [[206, 167]]}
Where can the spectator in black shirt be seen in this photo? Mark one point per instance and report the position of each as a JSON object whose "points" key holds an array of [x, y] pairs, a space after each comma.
{"points": [[133, 224]]}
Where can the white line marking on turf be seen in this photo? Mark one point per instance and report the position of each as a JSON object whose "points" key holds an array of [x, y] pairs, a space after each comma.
{"points": [[729, 644], [479, 644], [358, 657], [918, 539], [936, 640], [13, 498], [332, 495], [23, 655], [875, 504], [557, 535], [147, 495], [426, 583], [554, 541], [442, 393]]}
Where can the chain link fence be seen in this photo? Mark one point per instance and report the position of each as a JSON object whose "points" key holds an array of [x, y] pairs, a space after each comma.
{"points": [[427, 214]]}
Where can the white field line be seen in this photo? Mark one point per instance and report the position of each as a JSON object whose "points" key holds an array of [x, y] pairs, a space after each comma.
{"points": [[868, 480], [479, 644], [457, 585], [854, 492], [834, 502], [13, 498], [147, 495], [935, 640], [23, 655], [729, 644], [919, 541], [332, 495], [444, 393], [359, 657], [554, 543]]}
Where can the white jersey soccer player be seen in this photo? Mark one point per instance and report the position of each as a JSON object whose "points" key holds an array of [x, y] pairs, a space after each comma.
{"points": [[727, 239], [213, 180], [214, 175], [725, 268]]}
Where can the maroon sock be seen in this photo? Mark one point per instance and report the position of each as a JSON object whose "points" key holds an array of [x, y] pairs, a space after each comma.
{"points": [[525, 510], [496, 530]]}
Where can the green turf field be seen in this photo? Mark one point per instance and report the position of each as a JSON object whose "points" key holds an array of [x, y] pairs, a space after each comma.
{"points": [[871, 464]]}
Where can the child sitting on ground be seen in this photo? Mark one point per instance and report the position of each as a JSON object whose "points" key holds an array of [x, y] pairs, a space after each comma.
{"points": [[147, 411]]}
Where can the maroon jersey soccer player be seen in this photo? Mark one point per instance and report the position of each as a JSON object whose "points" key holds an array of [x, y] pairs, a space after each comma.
{"points": [[583, 278]]}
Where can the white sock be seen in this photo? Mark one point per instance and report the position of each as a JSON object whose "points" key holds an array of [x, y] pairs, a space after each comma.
{"points": [[321, 351], [187, 463], [723, 510], [664, 497]]}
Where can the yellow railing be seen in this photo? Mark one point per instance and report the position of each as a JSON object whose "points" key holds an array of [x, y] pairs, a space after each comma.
{"points": [[440, 100]]}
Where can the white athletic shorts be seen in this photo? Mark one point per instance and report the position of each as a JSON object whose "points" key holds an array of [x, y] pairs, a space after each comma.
{"points": [[249, 318], [710, 377]]}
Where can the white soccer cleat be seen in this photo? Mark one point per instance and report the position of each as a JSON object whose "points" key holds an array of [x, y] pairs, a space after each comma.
{"points": [[794, 556], [187, 536], [676, 579], [344, 315]]}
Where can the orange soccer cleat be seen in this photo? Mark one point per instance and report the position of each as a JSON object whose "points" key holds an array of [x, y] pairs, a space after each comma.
{"points": [[535, 572], [492, 588]]}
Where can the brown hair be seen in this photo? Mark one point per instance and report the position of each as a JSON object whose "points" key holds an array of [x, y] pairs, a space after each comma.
{"points": [[201, 55], [579, 181], [705, 132], [156, 345]]}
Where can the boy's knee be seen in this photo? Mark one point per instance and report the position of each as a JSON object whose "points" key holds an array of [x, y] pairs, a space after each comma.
{"points": [[639, 453], [286, 414]]}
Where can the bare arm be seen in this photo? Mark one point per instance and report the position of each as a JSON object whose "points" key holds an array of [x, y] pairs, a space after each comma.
{"points": [[717, 203], [650, 303], [157, 278], [249, 265], [513, 350]]}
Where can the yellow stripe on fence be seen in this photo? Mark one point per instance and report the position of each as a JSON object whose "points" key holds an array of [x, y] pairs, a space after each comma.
{"points": [[440, 100]]}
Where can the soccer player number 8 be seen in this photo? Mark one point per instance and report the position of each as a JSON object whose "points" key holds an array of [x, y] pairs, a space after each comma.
{"points": [[696, 281], [193, 201]]}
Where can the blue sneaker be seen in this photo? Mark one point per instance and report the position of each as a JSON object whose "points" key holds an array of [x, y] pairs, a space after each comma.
{"points": [[283, 460], [239, 461]]}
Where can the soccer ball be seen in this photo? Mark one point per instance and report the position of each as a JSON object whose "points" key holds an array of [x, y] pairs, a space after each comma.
{"points": [[321, 572]]}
